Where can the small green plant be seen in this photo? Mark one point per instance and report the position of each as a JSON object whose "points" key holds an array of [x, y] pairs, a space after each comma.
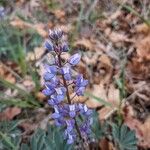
{"points": [[14, 46], [10, 135], [124, 138], [47, 140]]}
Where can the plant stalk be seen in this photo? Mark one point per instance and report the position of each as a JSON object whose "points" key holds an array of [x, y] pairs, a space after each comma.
{"points": [[69, 99]]}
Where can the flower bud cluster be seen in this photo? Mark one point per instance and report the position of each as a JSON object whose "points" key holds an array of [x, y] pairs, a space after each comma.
{"points": [[74, 117]]}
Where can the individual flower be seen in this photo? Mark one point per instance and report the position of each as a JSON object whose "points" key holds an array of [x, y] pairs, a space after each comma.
{"points": [[84, 109], [48, 89], [55, 100], [60, 93], [56, 114], [72, 110], [60, 122], [80, 85], [55, 34], [49, 45], [70, 125], [54, 81], [70, 139], [51, 71], [80, 91], [66, 71], [64, 47], [80, 82], [74, 59]]}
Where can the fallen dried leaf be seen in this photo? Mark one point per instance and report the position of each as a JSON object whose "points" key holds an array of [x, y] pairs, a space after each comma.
{"points": [[116, 37], [10, 113], [40, 96], [142, 28], [25, 25], [106, 145], [59, 13], [85, 43], [37, 54], [28, 83], [143, 48]]}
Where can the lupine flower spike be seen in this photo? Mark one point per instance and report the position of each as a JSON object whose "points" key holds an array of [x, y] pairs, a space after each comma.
{"points": [[58, 78]]}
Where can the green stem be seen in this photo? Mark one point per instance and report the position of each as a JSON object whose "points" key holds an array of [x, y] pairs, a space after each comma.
{"points": [[8, 141]]}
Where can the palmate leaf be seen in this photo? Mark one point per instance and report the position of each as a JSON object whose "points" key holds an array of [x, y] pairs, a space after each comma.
{"points": [[54, 139], [50, 140], [124, 138]]}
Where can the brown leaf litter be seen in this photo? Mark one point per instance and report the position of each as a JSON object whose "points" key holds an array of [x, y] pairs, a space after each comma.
{"points": [[9, 113]]}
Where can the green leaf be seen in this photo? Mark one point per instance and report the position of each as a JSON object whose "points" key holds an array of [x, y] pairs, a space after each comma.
{"points": [[98, 99], [10, 135], [7, 141], [37, 140], [7, 84], [16, 102], [52, 139], [124, 138], [25, 147], [30, 100], [97, 128], [130, 9]]}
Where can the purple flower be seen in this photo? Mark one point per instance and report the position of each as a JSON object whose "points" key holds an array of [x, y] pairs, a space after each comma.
{"points": [[72, 111], [60, 90], [70, 139], [51, 69], [60, 93], [55, 100], [54, 81], [70, 125], [59, 122], [52, 102], [55, 34], [49, 46], [56, 115], [80, 85], [84, 110], [64, 47], [74, 59], [48, 90], [58, 78], [80, 91], [51, 72], [66, 72], [80, 82]]}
